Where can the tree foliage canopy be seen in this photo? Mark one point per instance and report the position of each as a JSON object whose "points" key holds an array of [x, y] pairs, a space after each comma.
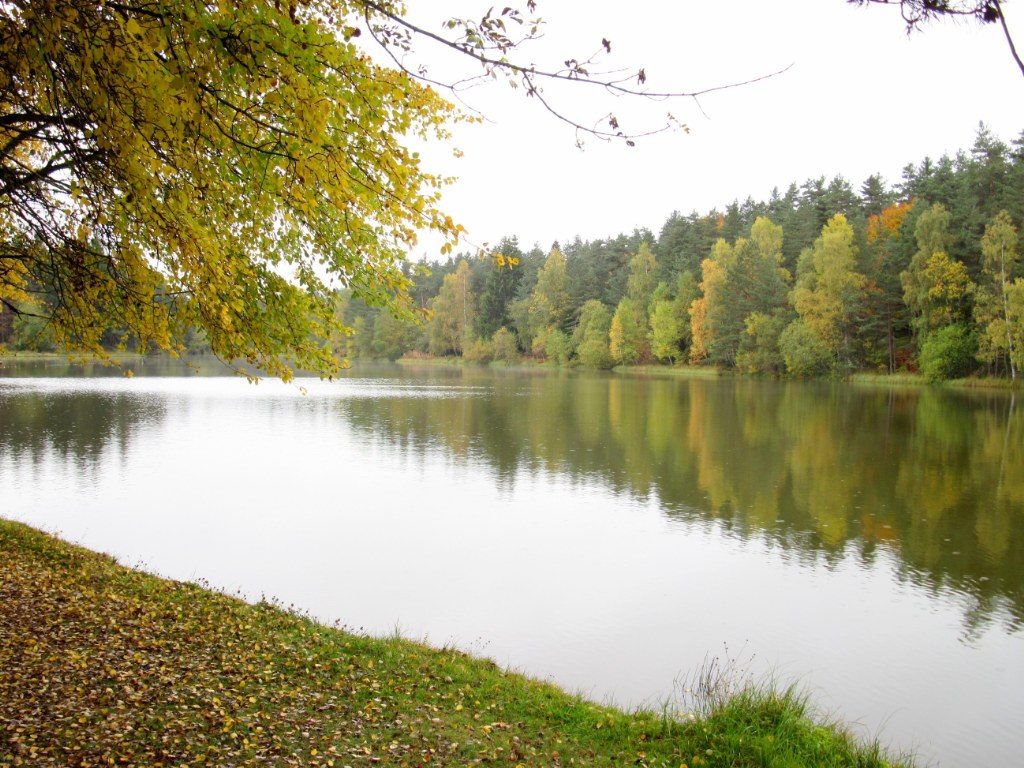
{"points": [[226, 165]]}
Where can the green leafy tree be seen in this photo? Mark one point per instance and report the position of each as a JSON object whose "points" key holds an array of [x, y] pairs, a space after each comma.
{"points": [[627, 336], [687, 291], [884, 314], [341, 335], [500, 288], [1015, 321], [590, 337], [31, 330], [661, 293], [594, 352], [557, 345], [670, 319], [362, 337], [478, 351], [451, 321], [1000, 260], [523, 321], [668, 330], [503, 345], [550, 301], [393, 336], [804, 351], [759, 350], [936, 287], [948, 353], [829, 290], [643, 276], [593, 313], [753, 280]]}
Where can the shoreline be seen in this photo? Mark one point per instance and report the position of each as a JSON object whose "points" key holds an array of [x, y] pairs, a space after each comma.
{"points": [[860, 378], [711, 372], [143, 670]]}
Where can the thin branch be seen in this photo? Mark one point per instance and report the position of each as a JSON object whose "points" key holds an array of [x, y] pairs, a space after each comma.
{"points": [[573, 76], [915, 12], [22, 312], [1009, 39]]}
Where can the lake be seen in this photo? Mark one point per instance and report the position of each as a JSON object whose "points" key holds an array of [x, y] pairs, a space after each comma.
{"points": [[610, 533]]}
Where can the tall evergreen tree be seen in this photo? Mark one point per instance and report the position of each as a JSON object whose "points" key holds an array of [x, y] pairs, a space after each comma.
{"points": [[499, 289], [884, 316], [875, 196]]}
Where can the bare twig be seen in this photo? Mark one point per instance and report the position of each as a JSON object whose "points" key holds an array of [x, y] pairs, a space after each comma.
{"points": [[578, 72]]}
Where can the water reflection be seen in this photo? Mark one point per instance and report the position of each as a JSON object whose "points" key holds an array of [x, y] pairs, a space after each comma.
{"points": [[78, 427], [933, 476], [607, 531]]}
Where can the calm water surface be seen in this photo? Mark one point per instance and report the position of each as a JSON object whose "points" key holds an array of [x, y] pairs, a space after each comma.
{"points": [[607, 532]]}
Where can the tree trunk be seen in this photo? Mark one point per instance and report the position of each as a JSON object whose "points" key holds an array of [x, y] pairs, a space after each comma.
{"points": [[892, 349]]}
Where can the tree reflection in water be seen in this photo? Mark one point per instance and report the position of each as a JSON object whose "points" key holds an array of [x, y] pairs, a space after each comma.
{"points": [[934, 476]]}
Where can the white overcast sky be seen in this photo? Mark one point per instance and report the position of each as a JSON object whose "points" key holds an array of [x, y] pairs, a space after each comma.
{"points": [[861, 97]]}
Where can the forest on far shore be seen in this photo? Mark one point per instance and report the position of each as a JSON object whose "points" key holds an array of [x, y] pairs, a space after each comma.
{"points": [[820, 278]]}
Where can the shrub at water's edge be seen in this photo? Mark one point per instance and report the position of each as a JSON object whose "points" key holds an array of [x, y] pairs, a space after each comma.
{"points": [[143, 670]]}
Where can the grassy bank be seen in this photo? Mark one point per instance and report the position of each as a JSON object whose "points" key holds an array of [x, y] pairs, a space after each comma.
{"points": [[712, 372], [682, 371], [64, 357], [103, 665], [524, 363], [917, 380]]}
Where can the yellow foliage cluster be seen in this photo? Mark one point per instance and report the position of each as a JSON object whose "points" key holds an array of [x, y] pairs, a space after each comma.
{"points": [[224, 165], [828, 287], [506, 261], [713, 279]]}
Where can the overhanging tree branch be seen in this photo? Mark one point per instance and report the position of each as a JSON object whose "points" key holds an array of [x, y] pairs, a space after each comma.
{"points": [[487, 43], [917, 12]]}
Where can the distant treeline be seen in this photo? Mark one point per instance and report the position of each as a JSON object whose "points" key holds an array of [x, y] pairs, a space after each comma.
{"points": [[821, 278]]}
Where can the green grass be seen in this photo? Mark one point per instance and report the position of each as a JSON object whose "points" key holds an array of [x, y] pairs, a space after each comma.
{"points": [[683, 371], [889, 379], [103, 665], [31, 356], [917, 380], [522, 363], [974, 382]]}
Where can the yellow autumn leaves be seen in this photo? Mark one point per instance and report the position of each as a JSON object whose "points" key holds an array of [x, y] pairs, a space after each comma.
{"points": [[226, 166]]}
